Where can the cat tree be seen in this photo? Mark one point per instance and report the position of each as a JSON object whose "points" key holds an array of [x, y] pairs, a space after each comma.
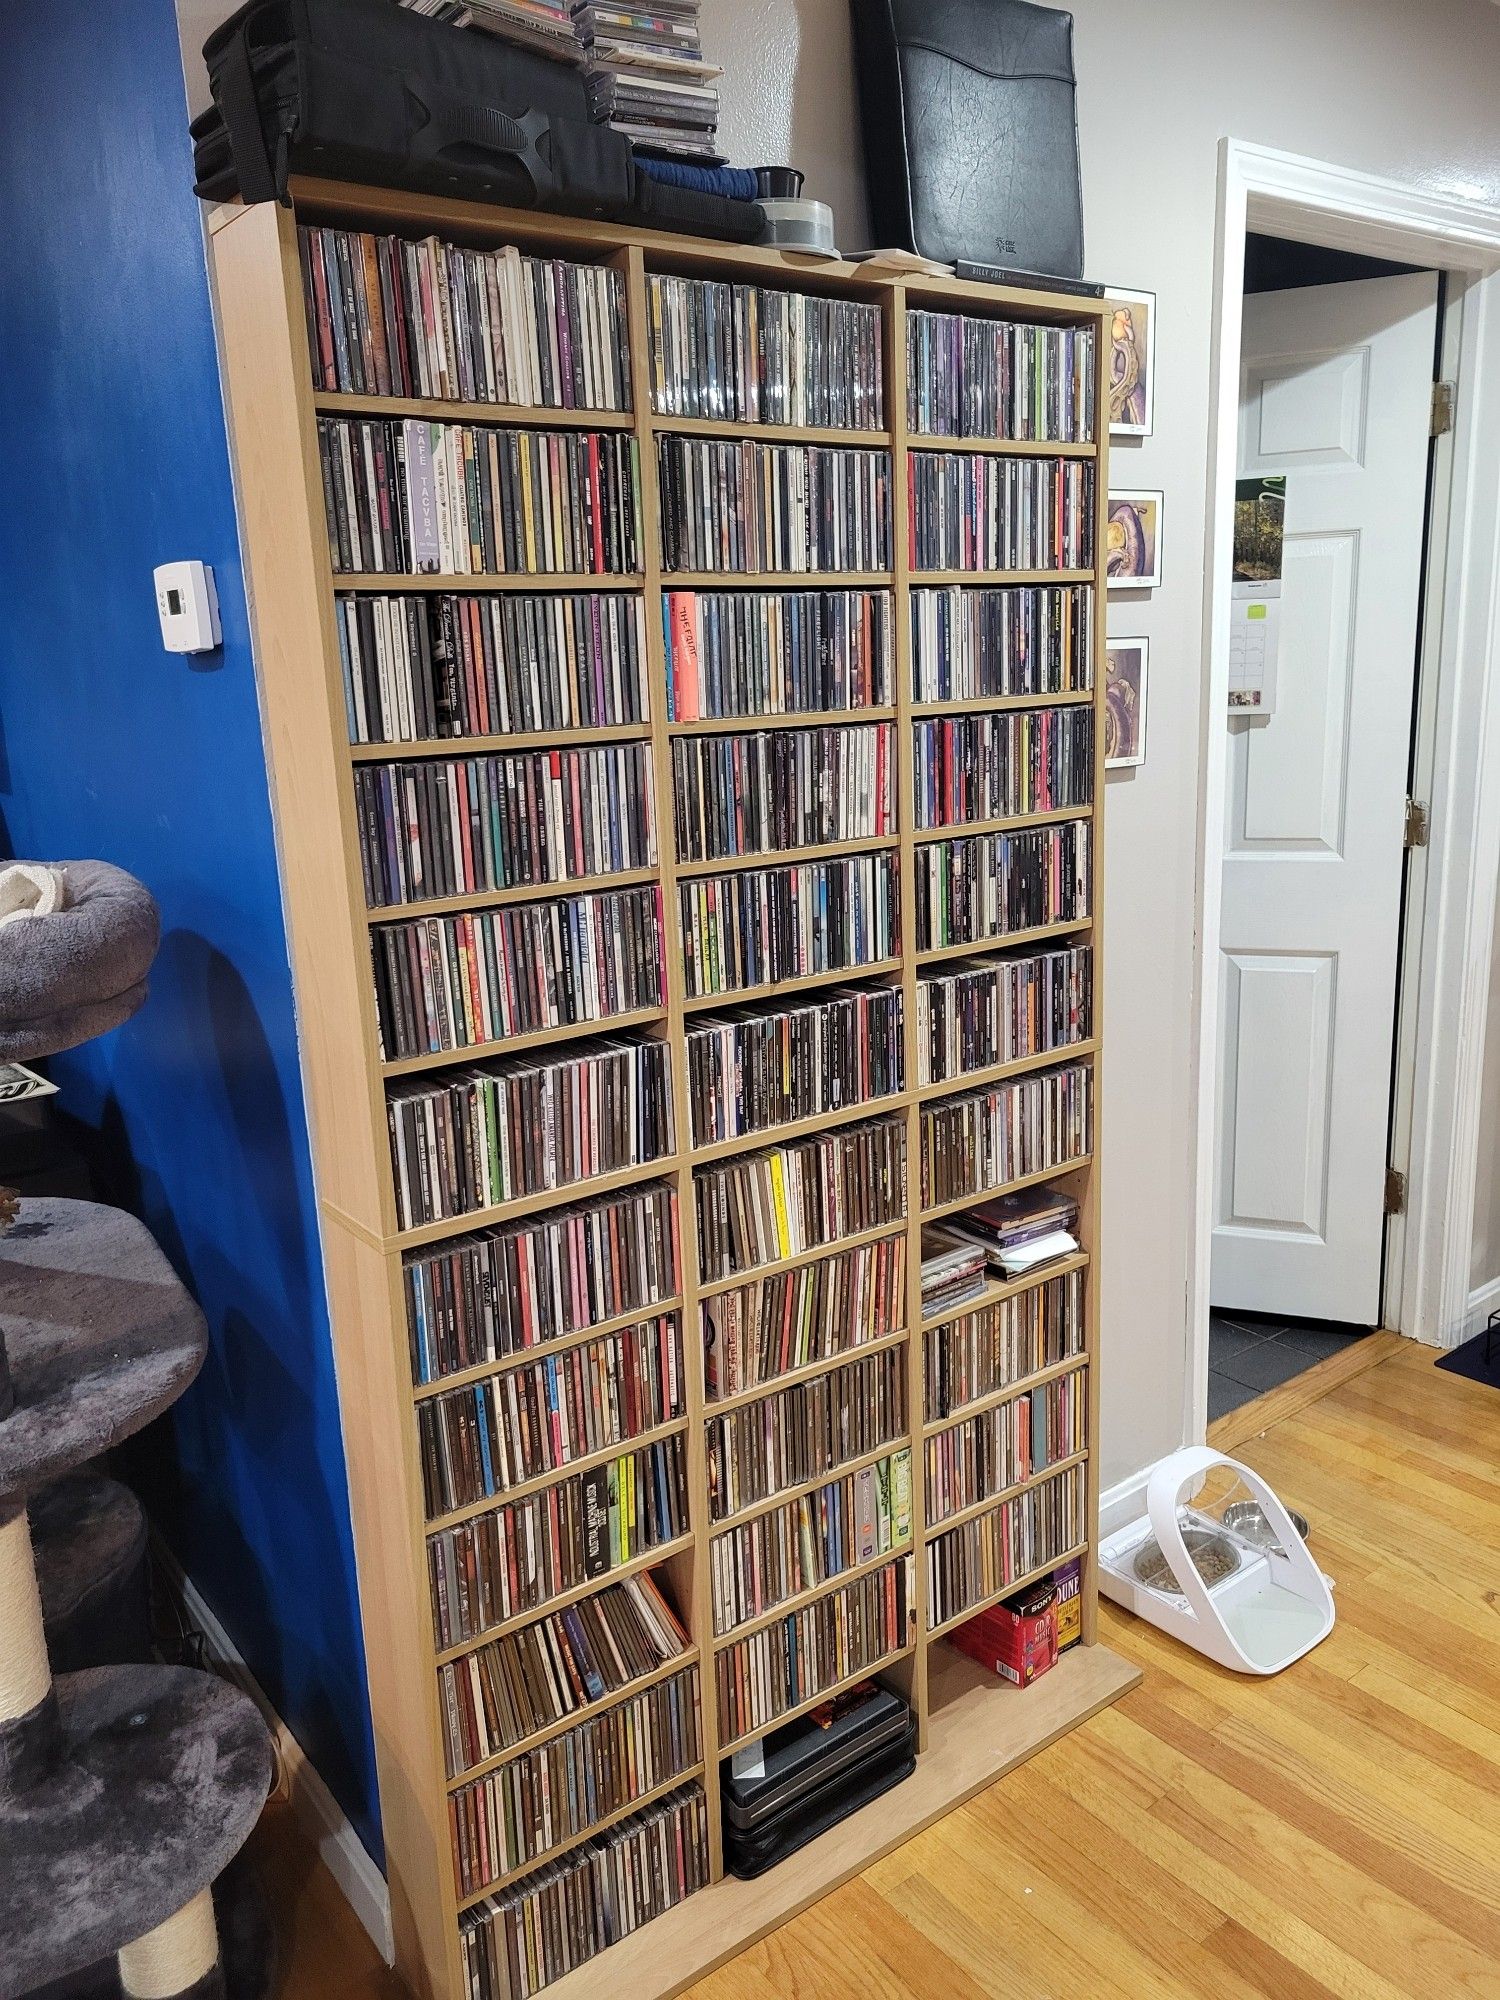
{"points": [[124, 1790]]}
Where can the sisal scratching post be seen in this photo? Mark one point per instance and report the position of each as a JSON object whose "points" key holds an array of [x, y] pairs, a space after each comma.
{"points": [[25, 1678], [178, 1958]]}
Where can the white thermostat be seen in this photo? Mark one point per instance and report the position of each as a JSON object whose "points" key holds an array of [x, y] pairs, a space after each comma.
{"points": [[188, 607]]}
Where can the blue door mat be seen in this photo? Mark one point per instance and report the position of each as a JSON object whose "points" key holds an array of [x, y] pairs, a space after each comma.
{"points": [[1469, 1360]]}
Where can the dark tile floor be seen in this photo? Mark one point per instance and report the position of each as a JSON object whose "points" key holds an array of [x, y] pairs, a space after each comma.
{"points": [[1249, 1354]]}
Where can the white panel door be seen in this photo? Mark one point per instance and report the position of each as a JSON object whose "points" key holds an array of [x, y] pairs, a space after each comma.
{"points": [[1335, 392]]}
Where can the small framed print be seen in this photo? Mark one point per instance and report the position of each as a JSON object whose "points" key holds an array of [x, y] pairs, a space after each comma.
{"points": [[1132, 367], [1124, 702], [1132, 548]]}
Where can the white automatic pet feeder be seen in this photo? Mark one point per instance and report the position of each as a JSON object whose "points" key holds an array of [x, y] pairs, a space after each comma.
{"points": [[1229, 1576]]}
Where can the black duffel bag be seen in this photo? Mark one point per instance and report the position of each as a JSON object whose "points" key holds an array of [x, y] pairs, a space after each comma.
{"points": [[363, 90]]}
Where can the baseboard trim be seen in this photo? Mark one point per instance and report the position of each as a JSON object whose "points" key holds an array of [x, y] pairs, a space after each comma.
{"points": [[1482, 1302], [1251, 1418], [1124, 1502], [321, 1817]]}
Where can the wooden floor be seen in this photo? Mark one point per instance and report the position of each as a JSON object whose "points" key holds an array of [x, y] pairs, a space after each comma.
{"points": [[1335, 1830]]}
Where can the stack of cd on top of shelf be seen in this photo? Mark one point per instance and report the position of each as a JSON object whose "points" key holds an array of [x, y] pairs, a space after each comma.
{"points": [[543, 25], [647, 77]]}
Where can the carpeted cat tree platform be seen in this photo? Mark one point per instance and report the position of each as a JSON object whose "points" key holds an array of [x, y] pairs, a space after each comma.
{"points": [[125, 1791]]}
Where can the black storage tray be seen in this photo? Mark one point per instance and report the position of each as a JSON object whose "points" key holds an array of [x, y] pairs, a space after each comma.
{"points": [[751, 1852], [802, 1756]]}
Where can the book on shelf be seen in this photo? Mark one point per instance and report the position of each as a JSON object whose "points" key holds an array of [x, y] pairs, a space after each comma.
{"points": [[1002, 1009], [980, 1559], [987, 512], [502, 1129], [763, 1675], [980, 1353], [745, 505], [952, 1272], [756, 1068], [522, 1939], [977, 1457], [647, 76], [416, 498], [754, 354], [444, 323], [795, 1197], [479, 1440], [780, 789], [811, 1540], [563, 1788], [790, 1319], [791, 1435], [768, 924], [973, 642], [762, 653], [462, 826], [499, 1694], [458, 982], [980, 886], [1008, 1225], [517, 1557], [445, 664], [977, 1142], [502, 1292], [980, 767], [971, 377]]}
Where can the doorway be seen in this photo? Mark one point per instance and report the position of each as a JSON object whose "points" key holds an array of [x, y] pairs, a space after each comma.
{"points": [[1445, 930], [1338, 353]]}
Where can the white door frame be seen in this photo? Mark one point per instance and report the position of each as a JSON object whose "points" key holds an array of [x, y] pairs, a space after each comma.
{"points": [[1284, 195]]}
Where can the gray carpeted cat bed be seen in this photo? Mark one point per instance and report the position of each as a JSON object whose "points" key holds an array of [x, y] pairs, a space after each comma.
{"points": [[88, 1538], [124, 1790], [81, 970]]}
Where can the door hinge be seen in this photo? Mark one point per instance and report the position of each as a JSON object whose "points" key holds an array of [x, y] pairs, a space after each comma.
{"points": [[1395, 1191], [1414, 832], [1442, 408]]}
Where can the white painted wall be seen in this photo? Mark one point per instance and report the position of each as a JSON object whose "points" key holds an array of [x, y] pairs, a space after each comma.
{"points": [[1403, 91], [1395, 89], [1484, 1270]]}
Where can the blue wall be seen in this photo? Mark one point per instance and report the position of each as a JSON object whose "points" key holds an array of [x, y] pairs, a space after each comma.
{"points": [[113, 460]]}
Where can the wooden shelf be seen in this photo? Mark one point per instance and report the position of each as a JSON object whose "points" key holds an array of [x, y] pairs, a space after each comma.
{"points": [[970, 1731], [1007, 1187], [777, 579], [499, 899], [981, 579], [711, 1287], [340, 403], [834, 1688], [985, 704], [605, 1455], [1003, 941], [995, 1293], [482, 1371], [790, 1606], [992, 1501], [560, 1725], [600, 1825], [999, 447], [788, 857], [564, 737], [798, 1128], [760, 725], [965, 829], [751, 1510], [532, 1204], [746, 431], [1007, 1590], [514, 1045], [716, 1406], [648, 1559], [399, 583], [804, 982], [1022, 1386], [977, 1079]]}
